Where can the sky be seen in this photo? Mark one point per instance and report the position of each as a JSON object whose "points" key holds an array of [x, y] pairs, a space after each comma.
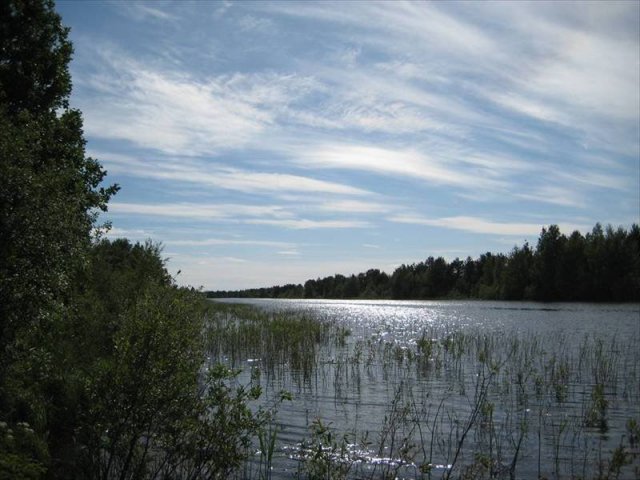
{"points": [[269, 143]]}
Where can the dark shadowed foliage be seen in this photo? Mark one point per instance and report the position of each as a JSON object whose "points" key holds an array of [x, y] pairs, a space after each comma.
{"points": [[102, 369]]}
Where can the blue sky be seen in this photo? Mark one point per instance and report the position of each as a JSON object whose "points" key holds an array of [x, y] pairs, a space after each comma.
{"points": [[268, 143]]}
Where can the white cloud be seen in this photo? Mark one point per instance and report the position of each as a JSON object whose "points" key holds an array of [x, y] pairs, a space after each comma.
{"points": [[555, 195], [115, 232], [529, 108], [352, 206], [175, 113], [597, 179], [480, 225], [578, 67], [419, 24], [251, 23], [404, 163], [142, 12], [592, 73], [277, 182], [198, 211], [289, 252], [276, 216], [524, 104], [231, 259], [306, 224], [225, 241], [387, 103], [219, 176]]}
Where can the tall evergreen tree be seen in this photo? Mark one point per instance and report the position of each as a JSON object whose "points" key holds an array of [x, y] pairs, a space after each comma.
{"points": [[548, 255], [516, 277]]}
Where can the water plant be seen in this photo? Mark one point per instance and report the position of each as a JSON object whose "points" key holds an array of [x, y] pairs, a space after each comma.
{"points": [[326, 455], [442, 404], [597, 411]]}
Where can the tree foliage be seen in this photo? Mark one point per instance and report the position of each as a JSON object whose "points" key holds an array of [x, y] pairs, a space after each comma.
{"points": [[49, 199], [101, 355], [602, 266], [50, 191]]}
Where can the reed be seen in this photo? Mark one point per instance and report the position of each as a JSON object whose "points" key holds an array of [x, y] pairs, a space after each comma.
{"points": [[457, 404]]}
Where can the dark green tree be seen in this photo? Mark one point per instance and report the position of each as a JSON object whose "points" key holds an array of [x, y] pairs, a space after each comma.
{"points": [[352, 287], [439, 278], [50, 196], [620, 260], [516, 277], [490, 268], [632, 273], [595, 253], [549, 252], [51, 193], [603, 266], [374, 284], [573, 277], [310, 289], [403, 282]]}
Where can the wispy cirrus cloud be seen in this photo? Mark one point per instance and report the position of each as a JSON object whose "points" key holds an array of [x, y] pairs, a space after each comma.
{"points": [[352, 206], [198, 211], [269, 215], [481, 225], [136, 234], [208, 174], [421, 25], [141, 12], [554, 195], [593, 66], [321, 123], [386, 161], [293, 253], [596, 178], [172, 112], [252, 23], [307, 224], [566, 65], [209, 242]]}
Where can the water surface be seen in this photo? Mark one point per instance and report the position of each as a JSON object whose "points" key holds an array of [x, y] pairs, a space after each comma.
{"points": [[492, 388]]}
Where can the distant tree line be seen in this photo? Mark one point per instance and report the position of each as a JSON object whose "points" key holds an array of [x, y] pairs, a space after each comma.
{"points": [[602, 266]]}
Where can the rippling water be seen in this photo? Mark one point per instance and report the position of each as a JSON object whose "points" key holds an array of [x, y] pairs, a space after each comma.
{"points": [[519, 398], [405, 318]]}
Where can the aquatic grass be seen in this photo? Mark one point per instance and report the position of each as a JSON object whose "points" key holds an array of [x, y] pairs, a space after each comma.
{"points": [[278, 341], [596, 416], [448, 404]]}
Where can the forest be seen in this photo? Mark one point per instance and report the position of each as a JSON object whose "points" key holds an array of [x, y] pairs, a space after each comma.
{"points": [[601, 266]]}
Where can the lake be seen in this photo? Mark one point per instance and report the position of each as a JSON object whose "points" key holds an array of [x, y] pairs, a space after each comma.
{"points": [[453, 389]]}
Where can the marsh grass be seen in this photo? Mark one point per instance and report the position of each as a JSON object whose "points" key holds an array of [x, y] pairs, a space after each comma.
{"points": [[275, 342], [462, 404]]}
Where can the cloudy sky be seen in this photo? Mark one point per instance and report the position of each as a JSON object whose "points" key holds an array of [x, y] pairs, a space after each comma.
{"points": [[267, 143]]}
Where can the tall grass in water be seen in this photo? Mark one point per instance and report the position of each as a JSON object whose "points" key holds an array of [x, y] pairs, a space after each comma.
{"points": [[461, 404], [275, 342]]}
